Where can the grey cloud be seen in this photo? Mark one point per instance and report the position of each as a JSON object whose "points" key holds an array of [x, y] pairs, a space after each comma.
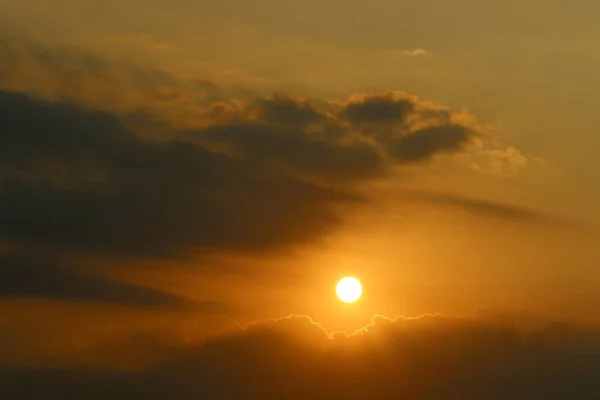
{"points": [[294, 134], [378, 110], [422, 144], [23, 274], [73, 175], [492, 209], [477, 206], [287, 111], [321, 130], [147, 197], [314, 139], [298, 152]]}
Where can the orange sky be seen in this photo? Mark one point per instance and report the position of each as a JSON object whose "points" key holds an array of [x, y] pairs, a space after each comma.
{"points": [[189, 168]]}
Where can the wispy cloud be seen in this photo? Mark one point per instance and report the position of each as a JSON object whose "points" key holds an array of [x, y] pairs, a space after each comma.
{"points": [[416, 52]]}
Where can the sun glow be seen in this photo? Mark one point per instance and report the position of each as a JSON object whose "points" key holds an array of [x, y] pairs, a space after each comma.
{"points": [[349, 289]]}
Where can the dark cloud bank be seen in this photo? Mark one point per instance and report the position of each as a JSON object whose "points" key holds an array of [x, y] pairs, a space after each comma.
{"points": [[430, 357], [78, 177]]}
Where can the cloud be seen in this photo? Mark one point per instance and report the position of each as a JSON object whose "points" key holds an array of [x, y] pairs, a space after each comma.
{"points": [[429, 357], [395, 53], [31, 65], [24, 274], [352, 140], [79, 178], [416, 52], [59, 73], [424, 143], [258, 174], [287, 111], [378, 110], [502, 161], [367, 131], [481, 207], [299, 154]]}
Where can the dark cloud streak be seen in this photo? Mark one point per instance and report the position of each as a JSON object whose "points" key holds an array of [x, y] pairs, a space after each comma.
{"points": [[24, 274]]}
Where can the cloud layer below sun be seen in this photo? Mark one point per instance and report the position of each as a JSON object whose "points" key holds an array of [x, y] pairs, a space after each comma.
{"points": [[428, 357]]}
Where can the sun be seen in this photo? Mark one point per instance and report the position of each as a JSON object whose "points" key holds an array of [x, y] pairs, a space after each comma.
{"points": [[348, 289]]}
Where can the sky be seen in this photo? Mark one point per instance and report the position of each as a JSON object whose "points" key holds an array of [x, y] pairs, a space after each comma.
{"points": [[183, 184]]}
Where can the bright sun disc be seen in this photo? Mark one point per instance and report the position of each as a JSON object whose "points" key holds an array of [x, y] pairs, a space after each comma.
{"points": [[348, 289]]}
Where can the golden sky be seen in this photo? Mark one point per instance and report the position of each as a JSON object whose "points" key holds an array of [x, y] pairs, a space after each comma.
{"points": [[174, 171]]}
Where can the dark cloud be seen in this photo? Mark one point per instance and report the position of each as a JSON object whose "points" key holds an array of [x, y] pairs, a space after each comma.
{"points": [[492, 209], [484, 207], [350, 141], [24, 274], [37, 133], [423, 144], [326, 138], [288, 111], [478, 206], [298, 152], [378, 110], [292, 134], [79, 178], [430, 357]]}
